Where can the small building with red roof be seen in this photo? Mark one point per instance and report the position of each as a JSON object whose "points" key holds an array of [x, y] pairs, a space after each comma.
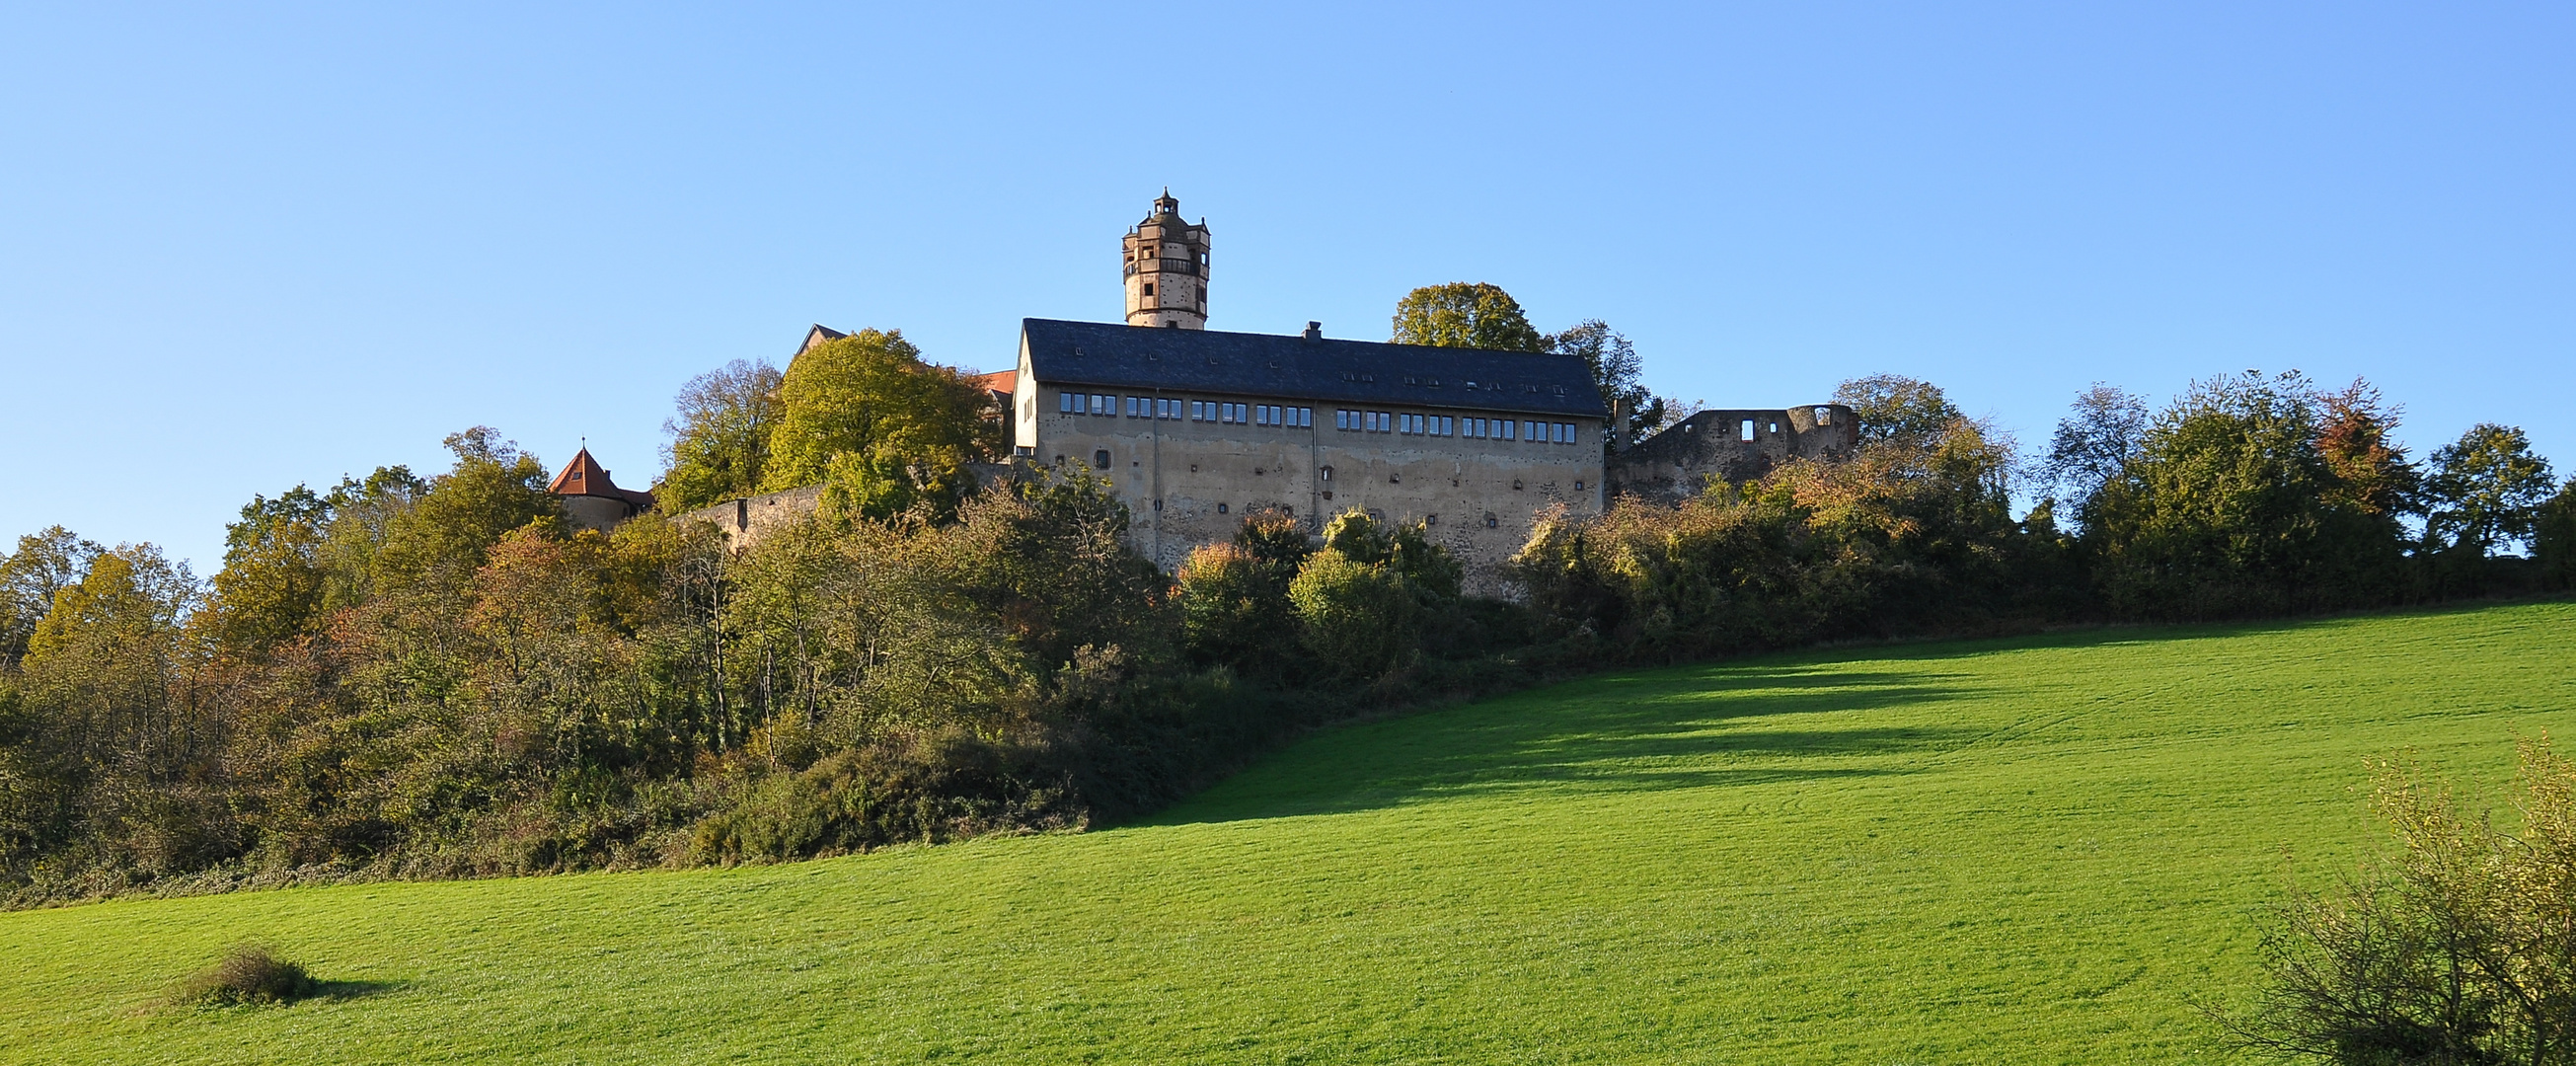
{"points": [[591, 500]]}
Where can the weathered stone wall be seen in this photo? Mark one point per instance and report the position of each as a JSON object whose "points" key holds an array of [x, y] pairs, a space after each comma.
{"points": [[1737, 445], [1189, 483], [745, 520]]}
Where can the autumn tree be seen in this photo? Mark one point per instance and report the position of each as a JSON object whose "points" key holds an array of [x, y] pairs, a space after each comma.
{"points": [[2459, 947]]}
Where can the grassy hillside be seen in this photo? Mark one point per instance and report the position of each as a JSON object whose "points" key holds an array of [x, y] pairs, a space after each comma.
{"points": [[2007, 851]]}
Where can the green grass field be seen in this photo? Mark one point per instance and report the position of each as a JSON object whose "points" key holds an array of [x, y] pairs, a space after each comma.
{"points": [[2029, 850]]}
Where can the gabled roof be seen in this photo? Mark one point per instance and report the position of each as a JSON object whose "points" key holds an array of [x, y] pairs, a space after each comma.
{"points": [[818, 335], [583, 476], [1148, 358], [1001, 381]]}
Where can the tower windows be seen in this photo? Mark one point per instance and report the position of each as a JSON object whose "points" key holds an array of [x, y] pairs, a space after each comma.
{"points": [[1149, 288]]}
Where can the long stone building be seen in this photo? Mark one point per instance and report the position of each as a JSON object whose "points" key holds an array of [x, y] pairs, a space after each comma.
{"points": [[1197, 429]]}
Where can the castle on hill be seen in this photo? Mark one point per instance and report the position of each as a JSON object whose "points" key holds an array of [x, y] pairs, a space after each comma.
{"points": [[1194, 428]]}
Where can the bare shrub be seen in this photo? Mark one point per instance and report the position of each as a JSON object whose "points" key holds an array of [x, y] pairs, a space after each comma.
{"points": [[2459, 948]]}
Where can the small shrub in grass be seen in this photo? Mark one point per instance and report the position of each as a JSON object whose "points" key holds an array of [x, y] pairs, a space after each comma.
{"points": [[2459, 949], [248, 974]]}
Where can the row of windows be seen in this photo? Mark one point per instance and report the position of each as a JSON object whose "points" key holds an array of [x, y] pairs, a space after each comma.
{"points": [[1106, 404], [1448, 426], [1257, 414]]}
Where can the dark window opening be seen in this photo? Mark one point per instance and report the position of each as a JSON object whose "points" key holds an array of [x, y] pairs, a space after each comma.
{"points": [[1100, 458]]}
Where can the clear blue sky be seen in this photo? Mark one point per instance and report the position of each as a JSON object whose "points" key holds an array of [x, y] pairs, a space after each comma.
{"points": [[245, 249]]}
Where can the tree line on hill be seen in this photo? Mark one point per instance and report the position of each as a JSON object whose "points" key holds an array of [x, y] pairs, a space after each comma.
{"points": [[438, 676]]}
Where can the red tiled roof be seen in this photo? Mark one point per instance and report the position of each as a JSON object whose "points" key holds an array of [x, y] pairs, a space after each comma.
{"points": [[583, 476]]}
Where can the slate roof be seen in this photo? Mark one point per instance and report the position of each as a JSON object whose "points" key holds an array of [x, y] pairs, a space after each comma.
{"points": [[818, 335], [1114, 356]]}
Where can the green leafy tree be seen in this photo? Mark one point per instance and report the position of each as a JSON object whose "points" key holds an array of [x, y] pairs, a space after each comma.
{"points": [[437, 542], [1896, 408], [1617, 372], [1361, 600], [1465, 315], [107, 677], [2092, 444], [1234, 597], [272, 585], [2553, 539], [44, 564], [2485, 491], [1358, 619], [2230, 508], [879, 428], [720, 436]]}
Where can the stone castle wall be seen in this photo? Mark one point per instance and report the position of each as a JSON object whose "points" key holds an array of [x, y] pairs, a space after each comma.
{"points": [[1190, 483], [746, 520]]}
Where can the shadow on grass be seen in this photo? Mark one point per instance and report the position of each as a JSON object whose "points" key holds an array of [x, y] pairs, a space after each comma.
{"points": [[335, 991], [1688, 728], [1683, 727]]}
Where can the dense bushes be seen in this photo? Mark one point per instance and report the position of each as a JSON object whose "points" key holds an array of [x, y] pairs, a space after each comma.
{"points": [[1914, 534], [2247, 496], [2231, 506]]}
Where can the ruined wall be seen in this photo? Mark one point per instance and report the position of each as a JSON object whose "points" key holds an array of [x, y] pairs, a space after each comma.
{"points": [[743, 521], [1737, 445], [1188, 483]]}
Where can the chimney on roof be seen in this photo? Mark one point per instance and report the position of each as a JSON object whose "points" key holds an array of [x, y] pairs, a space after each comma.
{"points": [[1314, 331]]}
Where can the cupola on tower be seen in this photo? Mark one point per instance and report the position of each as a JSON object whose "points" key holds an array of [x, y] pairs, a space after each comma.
{"points": [[1167, 268]]}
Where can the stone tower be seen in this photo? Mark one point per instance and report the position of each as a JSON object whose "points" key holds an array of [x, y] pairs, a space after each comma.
{"points": [[1167, 268]]}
